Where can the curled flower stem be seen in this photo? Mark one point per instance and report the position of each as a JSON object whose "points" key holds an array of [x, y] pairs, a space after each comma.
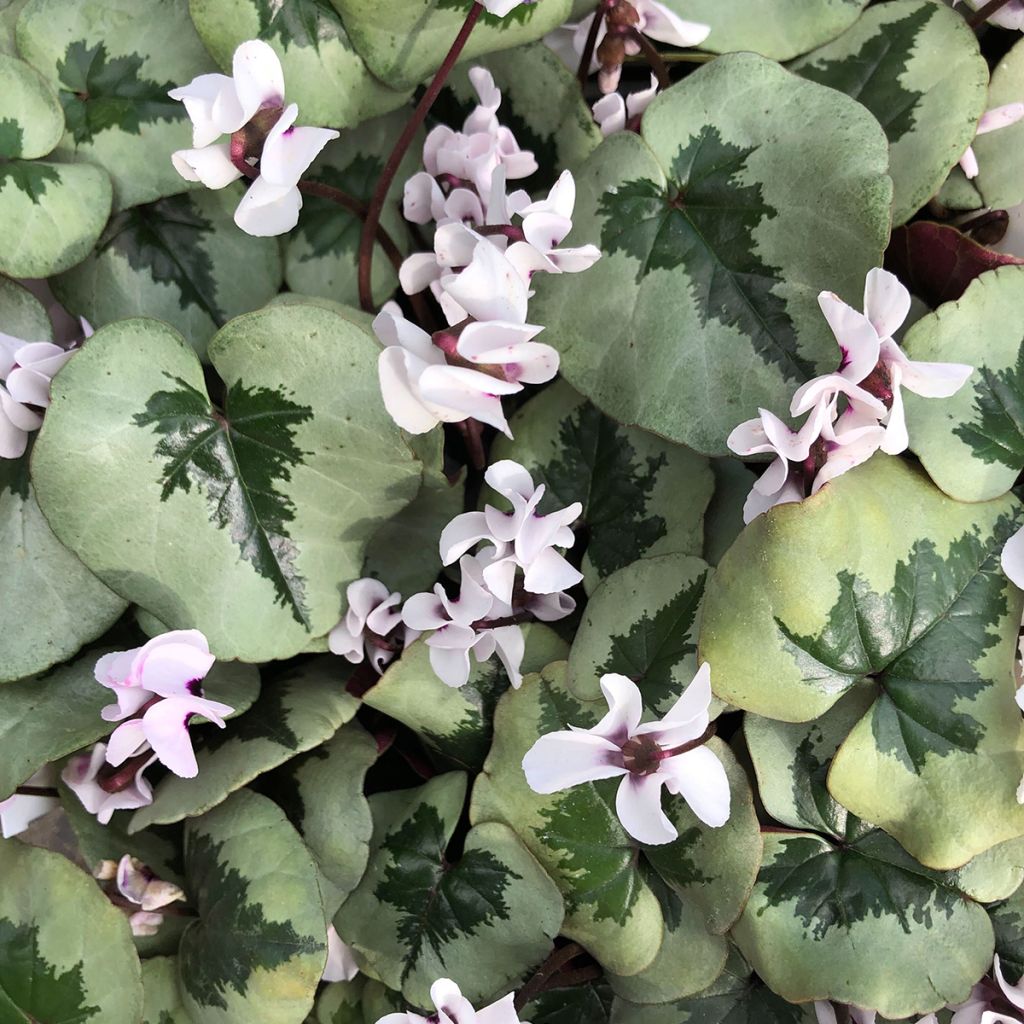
{"points": [[372, 221], [692, 744], [651, 55], [113, 780], [983, 13], [583, 71], [556, 961]]}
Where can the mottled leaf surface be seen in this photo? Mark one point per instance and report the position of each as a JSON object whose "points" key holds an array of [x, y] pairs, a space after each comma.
{"points": [[748, 191], [32, 122], [972, 444], [916, 66], [256, 953], [78, 968], [998, 152], [270, 499], [918, 608], [487, 914]]}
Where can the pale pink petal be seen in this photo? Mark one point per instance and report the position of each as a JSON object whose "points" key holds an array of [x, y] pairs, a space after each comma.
{"points": [[19, 415], [511, 646], [211, 165], [549, 573], [454, 244], [969, 163], [461, 534], [29, 387], [886, 302], [341, 963], [176, 670], [896, 439], [692, 706], [625, 709], [855, 335], [845, 457], [934, 380], [463, 392], [1000, 117], [212, 105], [425, 611], [166, 728], [19, 811], [268, 209], [610, 113], [127, 740], [563, 759], [258, 77], [698, 776], [638, 805], [450, 664], [1012, 559], [489, 288], [418, 271], [288, 151], [825, 1012], [501, 1012], [500, 578], [422, 199]]}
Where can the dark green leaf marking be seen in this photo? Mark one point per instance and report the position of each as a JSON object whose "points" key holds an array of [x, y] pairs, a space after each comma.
{"points": [[238, 938], [520, 15], [705, 223], [283, 787], [267, 720], [98, 93], [166, 239], [469, 742], [870, 877], [656, 644], [1008, 922], [872, 75], [920, 643], [236, 460], [33, 986], [675, 868], [811, 797], [11, 138], [581, 1004], [740, 1001], [597, 467], [298, 22], [329, 229], [559, 710], [14, 476], [437, 902], [997, 432], [29, 177]]}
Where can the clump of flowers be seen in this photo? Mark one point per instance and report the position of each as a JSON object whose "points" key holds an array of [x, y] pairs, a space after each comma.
{"points": [[138, 885], [851, 413], [372, 626]]}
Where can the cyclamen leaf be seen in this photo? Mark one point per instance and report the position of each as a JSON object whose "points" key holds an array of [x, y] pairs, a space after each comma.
{"points": [[99, 93], [998, 183], [36, 123], [486, 918], [921, 614], [257, 951], [816, 907]]}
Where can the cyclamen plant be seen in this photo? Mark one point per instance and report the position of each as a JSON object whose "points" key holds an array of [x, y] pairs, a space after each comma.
{"points": [[405, 621]]}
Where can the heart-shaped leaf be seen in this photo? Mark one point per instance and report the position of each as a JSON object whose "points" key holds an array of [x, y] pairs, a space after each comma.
{"points": [[541, 102], [916, 66], [720, 224], [321, 791], [258, 949], [54, 604], [65, 951], [295, 712], [162, 999], [177, 260], [456, 722], [641, 496], [321, 254], [486, 919], [812, 600], [998, 152], [112, 63], [653, 916], [817, 907], [736, 997], [33, 121], [405, 41], [341, 1002], [1008, 921], [972, 444], [264, 508], [55, 212], [776, 28], [323, 73], [641, 622]]}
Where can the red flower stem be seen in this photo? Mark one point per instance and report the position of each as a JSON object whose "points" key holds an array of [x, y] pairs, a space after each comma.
{"points": [[692, 744], [373, 215], [650, 53], [982, 15], [556, 960], [583, 71], [113, 780], [472, 432]]}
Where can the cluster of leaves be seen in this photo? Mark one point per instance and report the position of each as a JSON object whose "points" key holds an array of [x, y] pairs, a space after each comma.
{"points": [[218, 457]]}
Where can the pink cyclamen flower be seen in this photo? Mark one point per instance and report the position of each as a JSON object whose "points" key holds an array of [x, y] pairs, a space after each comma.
{"points": [[19, 810], [254, 95], [460, 627], [26, 368], [341, 962], [80, 776], [372, 616], [991, 120], [419, 387], [452, 1007], [139, 885], [647, 756], [522, 539], [614, 114]]}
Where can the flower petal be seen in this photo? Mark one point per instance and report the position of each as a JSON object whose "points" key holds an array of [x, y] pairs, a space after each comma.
{"points": [[258, 77], [211, 165], [288, 151], [461, 534], [1012, 559], [625, 708], [268, 209], [886, 302], [638, 805], [698, 776], [855, 335], [563, 759]]}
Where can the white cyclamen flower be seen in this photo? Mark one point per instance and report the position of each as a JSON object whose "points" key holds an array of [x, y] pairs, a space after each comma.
{"points": [[18, 811], [341, 962], [521, 539], [647, 756], [253, 96], [991, 120], [460, 626], [81, 773], [26, 369], [613, 113], [373, 614], [452, 1007]]}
